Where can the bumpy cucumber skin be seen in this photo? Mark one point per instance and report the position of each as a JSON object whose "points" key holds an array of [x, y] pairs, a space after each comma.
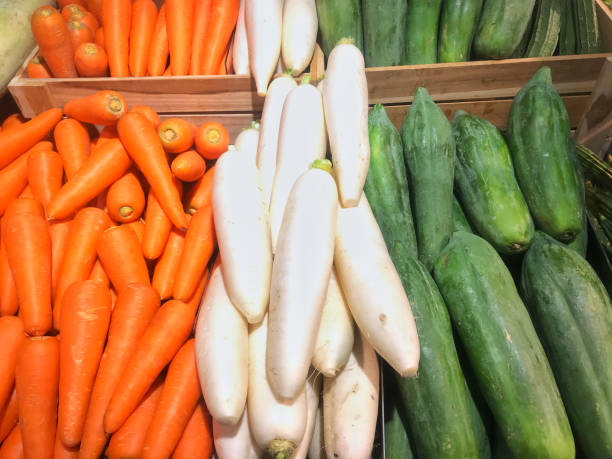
{"points": [[422, 35], [587, 27], [460, 222], [339, 19], [567, 33], [384, 32], [457, 26]]}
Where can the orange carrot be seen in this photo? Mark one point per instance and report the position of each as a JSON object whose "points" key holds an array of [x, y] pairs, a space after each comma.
{"points": [[166, 333], [167, 72], [179, 23], [90, 60], [107, 133], [224, 65], [99, 40], [188, 166], [158, 49], [212, 140], [71, 9], [11, 338], [167, 266], [148, 113], [8, 289], [90, 21], [12, 447], [176, 134], [72, 142], [62, 451], [138, 227], [37, 68], [59, 231], [201, 16], [145, 148], [136, 306], [98, 274], [200, 194], [144, 16], [103, 107], [36, 382], [79, 33], [125, 199], [24, 205], [13, 120], [51, 34], [95, 6], [218, 33], [157, 225], [197, 440], [27, 193], [45, 175], [9, 415], [14, 178], [176, 405], [116, 21], [65, 4]]}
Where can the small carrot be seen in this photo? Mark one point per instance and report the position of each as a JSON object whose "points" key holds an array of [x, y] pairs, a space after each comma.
{"points": [[218, 33], [197, 439], [105, 165], [188, 166], [13, 120], [116, 21], [95, 7], [201, 16], [144, 16], [212, 140], [37, 68], [145, 148], [64, 4], [179, 23], [14, 179], [36, 382], [45, 175], [167, 266], [147, 112], [79, 33], [136, 306], [200, 195], [61, 451], [71, 9], [103, 107], [9, 415], [196, 297], [11, 338], [157, 225], [59, 231], [90, 21], [12, 447], [176, 134], [8, 290], [99, 39], [72, 142], [98, 274], [51, 34], [138, 227], [90, 60], [158, 49], [125, 199], [164, 336]]}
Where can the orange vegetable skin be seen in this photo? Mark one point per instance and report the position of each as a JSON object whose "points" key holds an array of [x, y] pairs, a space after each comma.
{"points": [[157, 225], [212, 140], [37, 68], [188, 166], [168, 265], [197, 439], [79, 33], [12, 447], [103, 107], [90, 60], [176, 134], [9, 414], [144, 16], [11, 338], [148, 113], [125, 199], [14, 179], [116, 16], [158, 49], [200, 194], [201, 17], [51, 34], [45, 175], [218, 33], [179, 23], [73, 144]]}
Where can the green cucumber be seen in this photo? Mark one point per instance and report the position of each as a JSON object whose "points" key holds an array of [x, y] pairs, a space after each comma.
{"points": [[567, 33], [581, 242], [384, 32], [545, 33], [503, 349], [457, 26], [521, 49], [572, 313], [422, 35], [397, 442], [587, 28], [486, 185], [339, 19], [460, 222]]}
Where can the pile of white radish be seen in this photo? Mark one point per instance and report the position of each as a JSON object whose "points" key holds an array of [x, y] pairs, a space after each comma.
{"points": [[301, 260]]}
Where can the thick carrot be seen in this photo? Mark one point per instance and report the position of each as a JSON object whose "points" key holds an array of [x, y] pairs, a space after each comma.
{"points": [[90, 21], [176, 405], [51, 34], [68, 6], [179, 23], [218, 33], [13, 120], [99, 40], [188, 166], [194, 301], [116, 20], [13, 142], [86, 311], [98, 274], [59, 231], [61, 451], [45, 175], [200, 195], [37, 68], [144, 16], [24, 205], [197, 439], [103, 107], [8, 289], [73, 144], [95, 6], [167, 266], [158, 49], [11, 338], [212, 140], [27, 193], [145, 148], [36, 382], [125, 199], [148, 113], [105, 165], [14, 179], [138, 227], [201, 16], [90, 60], [176, 134], [12, 447], [157, 225], [164, 336], [136, 306], [79, 33], [9, 415]]}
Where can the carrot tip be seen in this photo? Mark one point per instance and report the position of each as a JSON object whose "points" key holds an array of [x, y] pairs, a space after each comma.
{"points": [[115, 104], [169, 134], [213, 135], [126, 211]]}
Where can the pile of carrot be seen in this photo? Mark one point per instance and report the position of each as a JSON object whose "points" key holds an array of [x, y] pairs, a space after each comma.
{"points": [[105, 246]]}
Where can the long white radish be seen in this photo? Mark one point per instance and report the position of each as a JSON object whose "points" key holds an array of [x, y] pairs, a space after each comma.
{"points": [[335, 335], [241, 45], [264, 25], [248, 139], [300, 276], [300, 26], [235, 441], [222, 352], [373, 289], [277, 426], [243, 233], [345, 98], [313, 394], [350, 405], [301, 140], [268, 130], [316, 449]]}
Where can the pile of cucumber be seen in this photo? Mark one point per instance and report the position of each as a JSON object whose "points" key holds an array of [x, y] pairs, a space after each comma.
{"points": [[406, 32], [487, 231]]}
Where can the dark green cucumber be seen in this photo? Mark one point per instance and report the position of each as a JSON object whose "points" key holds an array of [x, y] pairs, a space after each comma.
{"points": [[503, 348], [429, 152], [581, 242], [486, 185], [540, 143], [397, 442], [567, 33], [501, 27], [572, 313], [545, 32], [587, 28], [422, 34], [384, 32], [386, 185], [339, 19], [457, 26], [460, 222]]}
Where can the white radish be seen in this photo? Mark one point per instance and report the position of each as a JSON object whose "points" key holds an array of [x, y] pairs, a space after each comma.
{"points": [[301, 140], [235, 441], [300, 276], [373, 289], [277, 426], [335, 336], [313, 394], [248, 139], [268, 130], [222, 352], [300, 26], [345, 98], [264, 24], [241, 46], [350, 405], [243, 233], [316, 449]]}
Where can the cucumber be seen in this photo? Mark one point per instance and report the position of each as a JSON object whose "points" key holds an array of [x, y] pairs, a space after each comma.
{"points": [[503, 349], [429, 153], [386, 185], [457, 26], [522, 46], [581, 242], [397, 443], [339, 19], [486, 186], [567, 33], [540, 143], [460, 222], [384, 32], [422, 35], [572, 313], [501, 27], [587, 28], [545, 33]]}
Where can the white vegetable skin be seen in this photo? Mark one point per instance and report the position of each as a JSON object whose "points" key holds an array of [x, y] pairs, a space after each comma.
{"points": [[301, 140], [243, 233], [316, 449], [241, 46], [345, 98], [335, 336], [264, 24], [300, 276], [313, 394], [247, 140], [222, 350], [277, 426], [350, 405], [300, 25], [235, 441], [373, 289]]}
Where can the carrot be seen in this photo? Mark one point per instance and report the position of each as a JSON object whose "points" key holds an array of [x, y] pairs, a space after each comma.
{"points": [[62, 451], [72, 142], [201, 16], [107, 133], [197, 439], [45, 175], [200, 195], [194, 301], [24, 205], [13, 142], [27, 193], [166, 333], [167, 266], [11, 338], [158, 49], [138, 228], [167, 72], [125, 199], [36, 382], [103, 107], [90, 21], [59, 231], [148, 113], [12, 447], [179, 23], [176, 405], [218, 33], [116, 20], [37, 68], [9, 415], [62, 4], [51, 34], [13, 120], [99, 40], [14, 178], [105, 165], [144, 16], [90, 60], [199, 245], [95, 7], [212, 140], [98, 274], [145, 148], [71, 9], [176, 134], [157, 225], [8, 289], [79, 33], [188, 166]]}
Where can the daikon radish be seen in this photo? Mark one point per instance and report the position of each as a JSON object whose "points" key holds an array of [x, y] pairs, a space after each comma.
{"points": [[235, 441], [241, 46], [248, 139], [313, 393], [300, 26], [316, 449]]}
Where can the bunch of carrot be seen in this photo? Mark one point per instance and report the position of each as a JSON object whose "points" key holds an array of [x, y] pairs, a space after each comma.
{"points": [[97, 231]]}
